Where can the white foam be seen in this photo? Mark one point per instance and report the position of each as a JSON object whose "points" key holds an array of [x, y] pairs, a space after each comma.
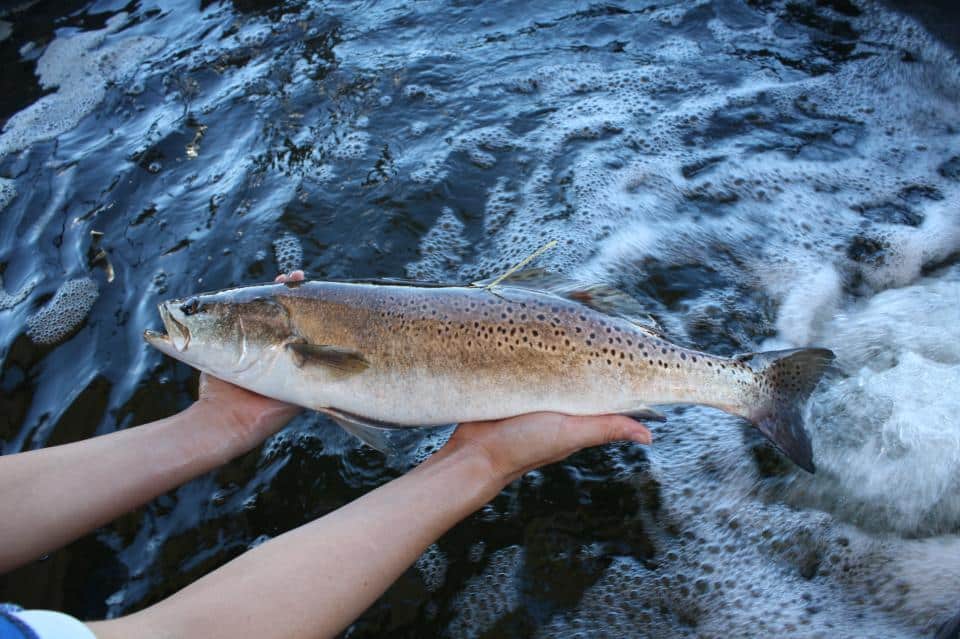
{"points": [[894, 415], [432, 566], [10, 300], [488, 597], [8, 191], [442, 250], [80, 67], [64, 313], [288, 252], [818, 197]]}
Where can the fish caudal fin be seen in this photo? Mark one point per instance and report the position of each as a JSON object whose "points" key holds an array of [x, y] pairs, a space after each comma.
{"points": [[786, 380]]}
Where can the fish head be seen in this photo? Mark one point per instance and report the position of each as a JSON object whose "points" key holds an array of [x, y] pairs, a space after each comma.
{"points": [[233, 335]]}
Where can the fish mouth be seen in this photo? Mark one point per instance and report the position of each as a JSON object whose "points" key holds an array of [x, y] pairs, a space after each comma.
{"points": [[178, 335]]}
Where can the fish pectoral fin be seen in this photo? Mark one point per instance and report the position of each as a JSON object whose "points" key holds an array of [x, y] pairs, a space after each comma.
{"points": [[389, 439], [340, 360], [645, 412]]}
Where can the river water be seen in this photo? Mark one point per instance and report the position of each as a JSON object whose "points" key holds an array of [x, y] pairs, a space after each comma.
{"points": [[760, 174]]}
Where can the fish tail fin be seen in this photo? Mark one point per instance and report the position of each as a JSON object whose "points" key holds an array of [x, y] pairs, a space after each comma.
{"points": [[786, 378]]}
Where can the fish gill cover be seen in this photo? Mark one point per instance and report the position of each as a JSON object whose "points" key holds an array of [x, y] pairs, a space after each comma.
{"points": [[760, 175]]}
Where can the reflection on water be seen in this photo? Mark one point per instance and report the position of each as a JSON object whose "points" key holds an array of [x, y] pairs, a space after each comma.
{"points": [[757, 174]]}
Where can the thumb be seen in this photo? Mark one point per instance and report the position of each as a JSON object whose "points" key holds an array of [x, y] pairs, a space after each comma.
{"points": [[603, 429]]}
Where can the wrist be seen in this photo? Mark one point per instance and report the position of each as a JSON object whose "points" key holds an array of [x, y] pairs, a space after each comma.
{"points": [[475, 465], [210, 433]]}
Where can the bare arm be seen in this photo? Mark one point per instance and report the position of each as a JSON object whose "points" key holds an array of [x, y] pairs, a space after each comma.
{"points": [[315, 580], [50, 497]]}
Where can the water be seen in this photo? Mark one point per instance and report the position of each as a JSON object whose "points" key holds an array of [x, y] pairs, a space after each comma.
{"points": [[760, 175]]}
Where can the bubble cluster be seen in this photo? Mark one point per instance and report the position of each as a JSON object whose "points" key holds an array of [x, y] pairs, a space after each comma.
{"points": [[10, 300], [478, 143], [8, 191], [432, 566], [442, 250], [422, 92], [489, 596], [352, 146], [432, 441], [891, 416], [288, 253], [80, 68], [806, 201], [64, 313]]}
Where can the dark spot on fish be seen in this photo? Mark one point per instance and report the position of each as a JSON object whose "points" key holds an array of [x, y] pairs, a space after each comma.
{"points": [[191, 306]]}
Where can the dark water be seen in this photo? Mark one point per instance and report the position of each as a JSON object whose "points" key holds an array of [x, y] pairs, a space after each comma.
{"points": [[760, 174]]}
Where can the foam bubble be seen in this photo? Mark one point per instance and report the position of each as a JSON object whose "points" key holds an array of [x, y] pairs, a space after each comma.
{"points": [[894, 414], [797, 200], [8, 191], [442, 249], [432, 566], [64, 313], [353, 146], [288, 252], [9, 300], [476, 551], [489, 596], [80, 67]]}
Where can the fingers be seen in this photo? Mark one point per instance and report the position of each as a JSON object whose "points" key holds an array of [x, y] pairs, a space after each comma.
{"points": [[292, 276], [603, 429]]}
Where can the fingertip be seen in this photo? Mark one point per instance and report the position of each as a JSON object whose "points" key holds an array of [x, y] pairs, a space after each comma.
{"points": [[280, 279], [642, 436]]}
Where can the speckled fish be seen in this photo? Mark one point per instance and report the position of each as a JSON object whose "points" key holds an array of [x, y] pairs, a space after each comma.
{"points": [[387, 354]]}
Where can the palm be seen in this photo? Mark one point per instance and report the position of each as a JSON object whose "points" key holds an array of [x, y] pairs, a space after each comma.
{"points": [[519, 444], [247, 413]]}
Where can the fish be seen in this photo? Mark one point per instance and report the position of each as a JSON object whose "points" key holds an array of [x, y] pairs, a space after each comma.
{"points": [[382, 355]]}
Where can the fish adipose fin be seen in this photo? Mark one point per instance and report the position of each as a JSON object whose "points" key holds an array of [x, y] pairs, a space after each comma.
{"points": [[387, 438], [787, 380], [340, 360]]}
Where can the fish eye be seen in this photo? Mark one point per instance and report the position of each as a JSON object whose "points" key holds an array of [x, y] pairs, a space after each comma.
{"points": [[191, 306]]}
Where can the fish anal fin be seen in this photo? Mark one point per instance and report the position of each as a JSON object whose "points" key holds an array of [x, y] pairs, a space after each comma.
{"points": [[340, 360], [389, 439]]}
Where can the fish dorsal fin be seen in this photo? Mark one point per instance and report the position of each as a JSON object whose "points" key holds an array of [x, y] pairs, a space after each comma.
{"points": [[600, 297], [387, 438], [339, 360], [612, 301]]}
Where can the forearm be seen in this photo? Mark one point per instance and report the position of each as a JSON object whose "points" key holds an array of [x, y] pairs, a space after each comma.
{"points": [[313, 581], [50, 497]]}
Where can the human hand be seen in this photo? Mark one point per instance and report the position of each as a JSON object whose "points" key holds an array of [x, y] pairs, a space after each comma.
{"points": [[514, 446], [246, 417]]}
